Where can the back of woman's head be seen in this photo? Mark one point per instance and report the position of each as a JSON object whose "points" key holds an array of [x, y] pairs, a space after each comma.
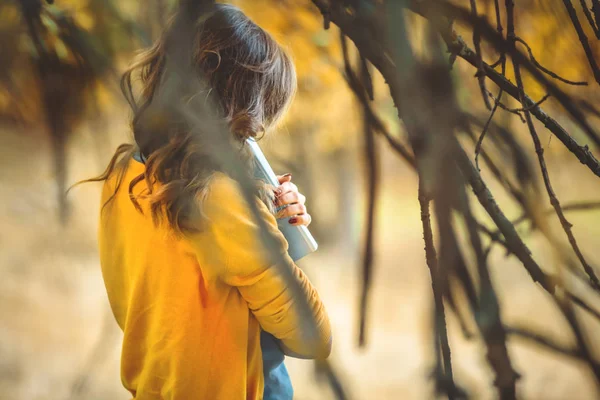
{"points": [[250, 77]]}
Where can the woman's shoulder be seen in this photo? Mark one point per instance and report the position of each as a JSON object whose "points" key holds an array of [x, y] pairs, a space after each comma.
{"points": [[224, 199], [222, 187], [121, 176]]}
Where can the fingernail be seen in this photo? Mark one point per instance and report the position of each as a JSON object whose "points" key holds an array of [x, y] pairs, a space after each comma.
{"points": [[293, 220], [286, 175]]}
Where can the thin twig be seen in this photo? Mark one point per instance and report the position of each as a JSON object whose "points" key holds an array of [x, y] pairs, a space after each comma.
{"points": [[596, 11], [441, 331], [477, 45], [583, 39], [323, 368], [502, 62], [506, 108], [534, 105], [485, 129], [546, 70], [494, 236], [579, 206], [366, 78], [516, 193], [516, 111], [579, 301], [590, 19], [372, 182], [545, 342], [356, 86], [488, 315], [498, 61]]}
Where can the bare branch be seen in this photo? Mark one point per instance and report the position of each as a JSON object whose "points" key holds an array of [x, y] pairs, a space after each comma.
{"points": [[596, 11], [531, 107], [579, 301], [501, 61], [583, 39], [372, 184], [408, 79], [590, 19], [456, 44], [513, 240], [494, 236], [477, 45], [441, 332], [516, 111], [545, 342], [356, 86], [546, 70], [522, 167], [561, 302], [566, 225], [579, 206], [365, 88], [488, 315], [514, 243], [506, 108], [583, 153], [323, 368], [485, 128]]}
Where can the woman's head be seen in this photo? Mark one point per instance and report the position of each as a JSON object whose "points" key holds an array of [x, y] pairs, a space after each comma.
{"points": [[250, 77]]}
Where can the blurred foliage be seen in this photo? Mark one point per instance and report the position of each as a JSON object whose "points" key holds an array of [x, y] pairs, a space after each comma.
{"points": [[62, 68], [79, 40], [106, 32]]}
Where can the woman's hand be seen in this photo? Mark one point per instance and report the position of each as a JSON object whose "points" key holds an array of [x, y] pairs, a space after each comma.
{"points": [[287, 195]]}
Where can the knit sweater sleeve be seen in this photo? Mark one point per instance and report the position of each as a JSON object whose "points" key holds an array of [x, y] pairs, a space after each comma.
{"points": [[234, 237]]}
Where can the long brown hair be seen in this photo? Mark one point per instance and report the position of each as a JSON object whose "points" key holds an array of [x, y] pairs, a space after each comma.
{"points": [[253, 81]]}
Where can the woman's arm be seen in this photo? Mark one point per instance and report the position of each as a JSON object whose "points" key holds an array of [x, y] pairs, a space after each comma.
{"points": [[234, 238]]}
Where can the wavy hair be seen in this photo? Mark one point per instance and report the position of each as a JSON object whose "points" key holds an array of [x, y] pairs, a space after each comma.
{"points": [[251, 78]]}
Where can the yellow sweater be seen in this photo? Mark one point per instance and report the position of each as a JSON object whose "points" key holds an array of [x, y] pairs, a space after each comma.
{"points": [[191, 308]]}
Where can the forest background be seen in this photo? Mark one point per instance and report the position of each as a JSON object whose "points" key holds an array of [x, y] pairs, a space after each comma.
{"points": [[58, 339]]}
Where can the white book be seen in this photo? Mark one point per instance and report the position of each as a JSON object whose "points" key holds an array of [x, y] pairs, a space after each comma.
{"points": [[300, 241]]}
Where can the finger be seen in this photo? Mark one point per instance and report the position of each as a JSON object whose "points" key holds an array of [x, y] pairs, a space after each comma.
{"points": [[289, 198], [292, 198], [284, 178], [303, 219], [291, 210], [286, 187], [301, 198]]}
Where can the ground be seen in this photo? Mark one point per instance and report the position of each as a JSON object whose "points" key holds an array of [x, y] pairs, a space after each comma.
{"points": [[58, 339]]}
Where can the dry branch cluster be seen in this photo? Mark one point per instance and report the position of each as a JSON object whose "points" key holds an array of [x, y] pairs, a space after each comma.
{"points": [[423, 92]]}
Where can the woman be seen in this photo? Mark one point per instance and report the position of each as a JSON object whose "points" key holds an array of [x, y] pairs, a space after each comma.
{"points": [[187, 278]]}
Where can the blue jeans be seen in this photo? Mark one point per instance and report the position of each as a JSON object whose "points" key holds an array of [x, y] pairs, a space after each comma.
{"points": [[278, 385]]}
